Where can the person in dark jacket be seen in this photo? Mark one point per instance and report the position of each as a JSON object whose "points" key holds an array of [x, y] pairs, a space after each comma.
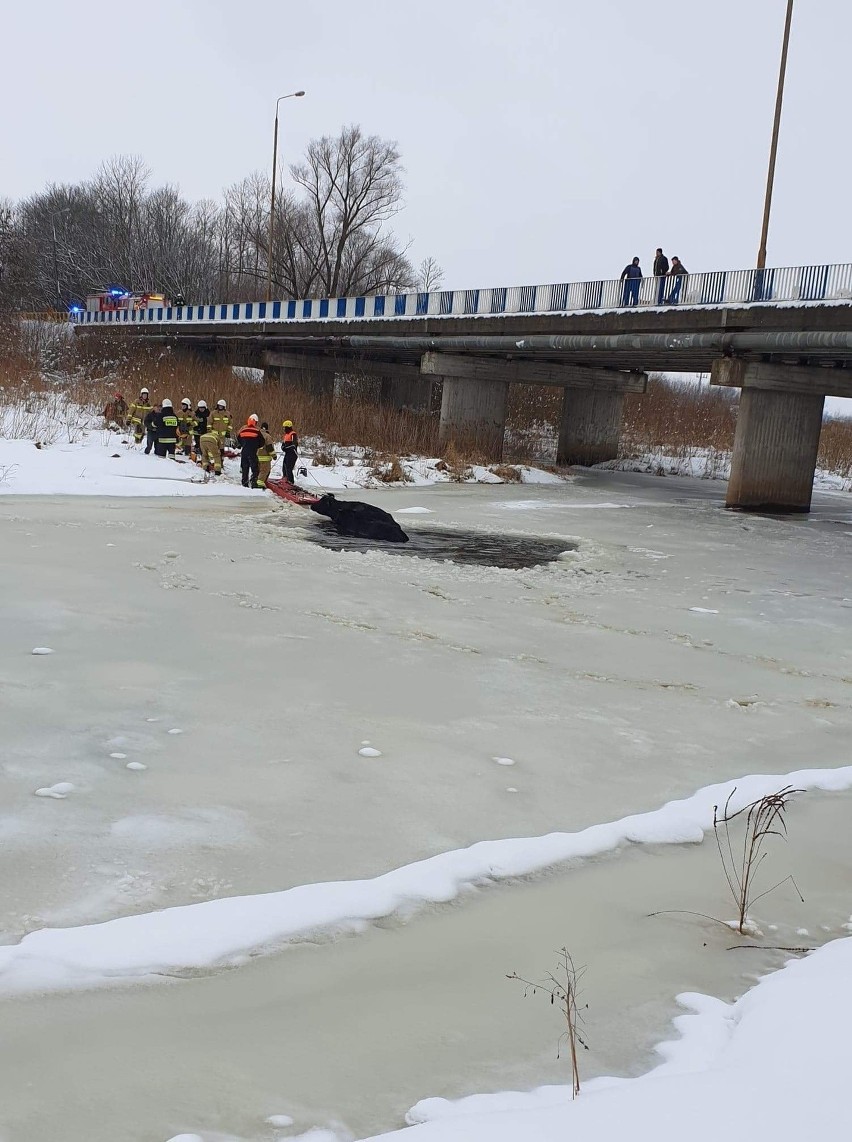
{"points": [[631, 276], [202, 414], [166, 424], [250, 439], [290, 448], [150, 426], [661, 268], [677, 273]]}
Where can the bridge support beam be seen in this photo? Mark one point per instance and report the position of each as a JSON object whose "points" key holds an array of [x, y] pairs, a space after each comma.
{"points": [[412, 393], [777, 435], [590, 430], [473, 416], [591, 418]]}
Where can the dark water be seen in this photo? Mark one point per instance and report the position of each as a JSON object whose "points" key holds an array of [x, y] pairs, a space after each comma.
{"points": [[449, 545]]}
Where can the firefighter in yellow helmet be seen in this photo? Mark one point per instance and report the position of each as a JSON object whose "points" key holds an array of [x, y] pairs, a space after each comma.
{"points": [[290, 445]]}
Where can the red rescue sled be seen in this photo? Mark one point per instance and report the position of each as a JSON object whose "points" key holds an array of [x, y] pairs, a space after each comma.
{"points": [[291, 493]]}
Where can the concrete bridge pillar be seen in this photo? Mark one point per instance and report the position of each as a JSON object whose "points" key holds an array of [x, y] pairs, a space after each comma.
{"points": [[590, 429], [777, 435], [473, 414], [410, 392]]}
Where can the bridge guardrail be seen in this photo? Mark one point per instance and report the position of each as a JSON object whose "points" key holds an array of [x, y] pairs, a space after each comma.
{"points": [[772, 285]]}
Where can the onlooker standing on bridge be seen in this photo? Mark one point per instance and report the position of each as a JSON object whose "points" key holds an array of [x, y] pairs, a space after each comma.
{"points": [[677, 273], [631, 276], [661, 268]]}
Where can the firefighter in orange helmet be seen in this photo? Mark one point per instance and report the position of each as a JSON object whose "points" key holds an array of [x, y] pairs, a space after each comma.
{"points": [[290, 446]]}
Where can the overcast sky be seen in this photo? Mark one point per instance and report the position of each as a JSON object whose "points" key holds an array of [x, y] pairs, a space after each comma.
{"points": [[543, 140]]}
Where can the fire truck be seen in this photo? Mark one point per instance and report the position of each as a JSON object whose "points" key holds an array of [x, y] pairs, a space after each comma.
{"points": [[110, 300]]}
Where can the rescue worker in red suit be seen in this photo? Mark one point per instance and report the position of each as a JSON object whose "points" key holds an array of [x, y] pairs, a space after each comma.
{"points": [[250, 438], [290, 446]]}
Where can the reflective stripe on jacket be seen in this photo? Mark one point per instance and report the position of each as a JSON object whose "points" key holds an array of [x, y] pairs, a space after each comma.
{"points": [[167, 426], [220, 423], [138, 411], [266, 452]]}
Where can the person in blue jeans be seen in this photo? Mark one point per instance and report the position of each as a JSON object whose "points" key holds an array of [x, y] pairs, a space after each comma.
{"points": [[661, 268], [631, 276], [677, 273]]}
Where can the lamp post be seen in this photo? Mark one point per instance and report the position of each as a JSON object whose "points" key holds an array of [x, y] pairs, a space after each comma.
{"points": [[53, 216], [773, 150], [292, 95]]}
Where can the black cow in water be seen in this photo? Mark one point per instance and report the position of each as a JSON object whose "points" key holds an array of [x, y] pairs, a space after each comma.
{"points": [[351, 517]]}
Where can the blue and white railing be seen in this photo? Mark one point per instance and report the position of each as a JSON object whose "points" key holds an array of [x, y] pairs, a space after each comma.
{"points": [[717, 287]]}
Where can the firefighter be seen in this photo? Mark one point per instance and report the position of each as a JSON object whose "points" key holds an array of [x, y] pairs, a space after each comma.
{"points": [[211, 454], [186, 425], [221, 423], [265, 455], [202, 415], [167, 430], [290, 445], [136, 416], [250, 439], [150, 427], [115, 412]]}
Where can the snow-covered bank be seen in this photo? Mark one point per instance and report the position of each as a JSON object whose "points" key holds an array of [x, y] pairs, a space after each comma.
{"points": [[225, 931], [705, 464], [80, 458], [774, 1064]]}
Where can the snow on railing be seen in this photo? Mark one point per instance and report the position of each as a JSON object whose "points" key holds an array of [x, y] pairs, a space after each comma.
{"points": [[716, 287]]}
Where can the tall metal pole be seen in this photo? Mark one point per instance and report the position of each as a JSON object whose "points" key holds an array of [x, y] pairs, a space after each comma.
{"points": [[773, 150], [293, 95], [56, 263]]}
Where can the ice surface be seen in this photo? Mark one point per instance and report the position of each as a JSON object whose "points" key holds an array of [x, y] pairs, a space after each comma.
{"points": [[217, 931], [42, 650], [59, 791], [369, 751], [593, 672]]}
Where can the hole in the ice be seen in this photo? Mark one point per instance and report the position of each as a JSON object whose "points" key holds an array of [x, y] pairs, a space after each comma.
{"points": [[450, 545]]}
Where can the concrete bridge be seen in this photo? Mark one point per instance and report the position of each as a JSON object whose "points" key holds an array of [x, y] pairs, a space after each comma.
{"points": [[781, 336]]}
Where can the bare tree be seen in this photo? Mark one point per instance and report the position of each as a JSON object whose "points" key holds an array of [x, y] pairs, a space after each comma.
{"points": [[353, 186], [429, 275]]}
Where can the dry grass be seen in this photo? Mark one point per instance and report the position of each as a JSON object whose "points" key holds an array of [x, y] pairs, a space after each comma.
{"points": [[48, 379], [507, 473]]}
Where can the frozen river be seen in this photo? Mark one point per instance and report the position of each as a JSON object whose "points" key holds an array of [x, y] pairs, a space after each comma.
{"points": [[672, 645]]}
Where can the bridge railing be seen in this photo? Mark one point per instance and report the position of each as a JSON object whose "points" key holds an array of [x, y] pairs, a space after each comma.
{"points": [[716, 287]]}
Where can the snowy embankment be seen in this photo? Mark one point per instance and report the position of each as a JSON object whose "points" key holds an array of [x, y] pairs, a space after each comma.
{"points": [[71, 455], [774, 1064], [225, 931], [705, 464]]}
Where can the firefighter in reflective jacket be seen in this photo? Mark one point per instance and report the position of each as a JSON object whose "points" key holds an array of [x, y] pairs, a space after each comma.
{"points": [[220, 422], [166, 424], [290, 444], [265, 456], [137, 412], [211, 453], [250, 440], [186, 425]]}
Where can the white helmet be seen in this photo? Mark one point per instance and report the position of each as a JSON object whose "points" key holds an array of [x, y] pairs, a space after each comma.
{"points": [[220, 404], [254, 418], [145, 391], [202, 404], [166, 403], [186, 401]]}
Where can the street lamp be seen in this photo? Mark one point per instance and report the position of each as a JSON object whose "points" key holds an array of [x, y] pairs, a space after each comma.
{"points": [[773, 150], [292, 95], [54, 214]]}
